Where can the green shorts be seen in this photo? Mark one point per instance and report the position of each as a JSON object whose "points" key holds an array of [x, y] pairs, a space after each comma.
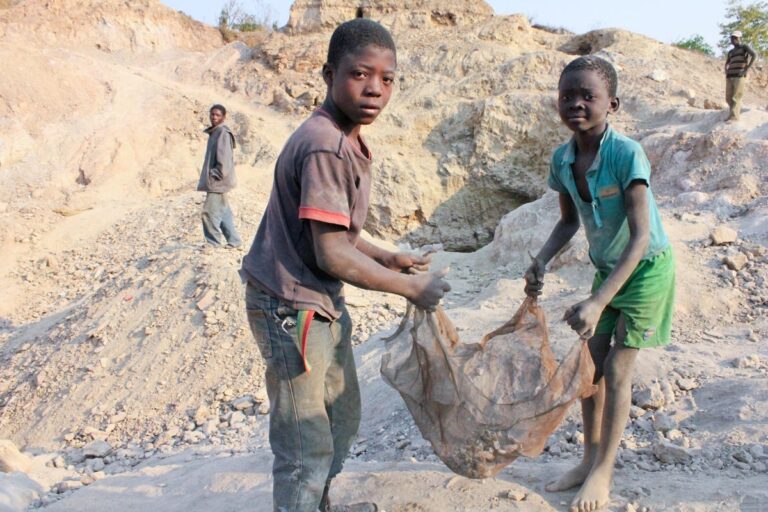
{"points": [[646, 301]]}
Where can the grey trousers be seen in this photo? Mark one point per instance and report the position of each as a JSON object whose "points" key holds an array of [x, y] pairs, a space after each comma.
{"points": [[218, 221], [314, 416]]}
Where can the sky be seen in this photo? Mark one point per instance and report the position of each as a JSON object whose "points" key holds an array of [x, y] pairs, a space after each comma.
{"points": [[665, 20]]}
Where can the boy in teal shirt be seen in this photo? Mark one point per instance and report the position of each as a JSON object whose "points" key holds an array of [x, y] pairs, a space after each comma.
{"points": [[603, 179]]}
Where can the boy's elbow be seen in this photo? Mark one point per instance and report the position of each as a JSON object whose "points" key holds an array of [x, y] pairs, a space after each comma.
{"points": [[323, 261], [327, 260], [572, 224], [642, 241]]}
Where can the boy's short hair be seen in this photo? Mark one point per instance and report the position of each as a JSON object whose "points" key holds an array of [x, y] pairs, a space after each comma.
{"points": [[356, 34], [220, 108], [601, 66]]}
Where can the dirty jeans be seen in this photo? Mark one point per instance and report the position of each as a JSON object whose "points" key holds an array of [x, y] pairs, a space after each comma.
{"points": [[218, 221], [314, 416], [734, 90]]}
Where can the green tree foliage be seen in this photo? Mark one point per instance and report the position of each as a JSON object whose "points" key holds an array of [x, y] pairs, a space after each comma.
{"points": [[696, 43], [234, 16], [752, 20]]}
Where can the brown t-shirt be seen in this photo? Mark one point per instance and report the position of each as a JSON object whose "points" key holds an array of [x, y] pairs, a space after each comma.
{"points": [[320, 175]]}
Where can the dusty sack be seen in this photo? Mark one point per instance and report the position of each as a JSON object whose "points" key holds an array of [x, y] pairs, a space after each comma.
{"points": [[482, 405]]}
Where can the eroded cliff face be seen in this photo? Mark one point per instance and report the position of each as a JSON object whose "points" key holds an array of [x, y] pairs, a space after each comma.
{"points": [[316, 15], [469, 131]]}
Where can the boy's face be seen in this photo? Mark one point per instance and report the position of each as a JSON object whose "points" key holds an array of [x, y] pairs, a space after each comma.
{"points": [[216, 116], [361, 85], [584, 101], [735, 40]]}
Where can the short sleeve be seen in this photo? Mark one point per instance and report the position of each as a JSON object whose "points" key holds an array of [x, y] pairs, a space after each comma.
{"points": [[635, 167], [553, 181], [327, 189]]}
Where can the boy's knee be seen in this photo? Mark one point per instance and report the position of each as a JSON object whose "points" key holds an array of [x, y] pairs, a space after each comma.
{"points": [[619, 368]]}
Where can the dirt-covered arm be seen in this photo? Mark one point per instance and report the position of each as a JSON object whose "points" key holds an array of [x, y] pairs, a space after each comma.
{"points": [[397, 261], [563, 231], [561, 234], [751, 56], [338, 257]]}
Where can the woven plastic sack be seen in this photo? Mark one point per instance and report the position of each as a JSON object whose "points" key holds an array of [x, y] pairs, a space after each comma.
{"points": [[482, 405]]}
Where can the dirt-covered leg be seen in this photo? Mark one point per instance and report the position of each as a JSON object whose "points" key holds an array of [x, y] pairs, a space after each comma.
{"points": [[592, 414], [619, 367]]}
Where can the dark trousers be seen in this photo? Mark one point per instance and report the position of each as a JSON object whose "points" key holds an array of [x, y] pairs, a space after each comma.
{"points": [[314, 416]]}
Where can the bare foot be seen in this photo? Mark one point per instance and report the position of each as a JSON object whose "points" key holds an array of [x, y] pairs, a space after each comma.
{"points": [[594, 494], [572, 478]]}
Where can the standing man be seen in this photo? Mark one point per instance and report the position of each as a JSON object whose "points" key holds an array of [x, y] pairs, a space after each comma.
{"points": [[737, 64], [217, 178]]}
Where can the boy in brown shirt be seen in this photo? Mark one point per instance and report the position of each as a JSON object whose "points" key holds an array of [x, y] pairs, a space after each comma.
{"points": [[307, 245]]}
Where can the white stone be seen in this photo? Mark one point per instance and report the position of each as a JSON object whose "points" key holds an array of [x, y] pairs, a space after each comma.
{"points": [[687, 384], [237, 417], [97, 448], [663, 422], [96, 464], [201, 414], [723, 235], [517, 495], [68, 485], [735, 260], [670, 453], [242, 403], [750, 361], [11, 459], [649, 398]]}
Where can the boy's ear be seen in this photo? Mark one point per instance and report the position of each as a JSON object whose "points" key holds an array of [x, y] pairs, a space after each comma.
{"points": [[328, 74], [615, 103]]}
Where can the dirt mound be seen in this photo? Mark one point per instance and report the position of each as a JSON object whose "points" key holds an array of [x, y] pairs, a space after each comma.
{"points": [[108, 25]]}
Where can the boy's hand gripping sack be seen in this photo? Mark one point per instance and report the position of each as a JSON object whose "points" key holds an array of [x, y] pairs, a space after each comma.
{"points": [[482, 405]]}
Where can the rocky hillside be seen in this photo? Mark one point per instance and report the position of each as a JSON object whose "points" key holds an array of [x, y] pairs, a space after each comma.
{"points": [[122, 341], [482, 111]]}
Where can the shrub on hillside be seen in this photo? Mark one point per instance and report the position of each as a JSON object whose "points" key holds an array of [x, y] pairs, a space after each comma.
{"points": [[695, 43]]}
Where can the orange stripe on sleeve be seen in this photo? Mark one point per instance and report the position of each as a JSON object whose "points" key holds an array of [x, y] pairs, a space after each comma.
{"points": [[319, 215]]}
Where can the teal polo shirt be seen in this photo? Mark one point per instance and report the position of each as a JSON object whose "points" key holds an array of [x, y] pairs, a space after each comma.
{"points": [[619, 162]]}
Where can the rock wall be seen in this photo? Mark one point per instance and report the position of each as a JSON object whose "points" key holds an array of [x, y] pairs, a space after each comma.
{"points": [[315, 15]]}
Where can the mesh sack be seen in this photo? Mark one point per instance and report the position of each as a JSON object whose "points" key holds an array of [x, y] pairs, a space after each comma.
{"points": [[482, 405]]}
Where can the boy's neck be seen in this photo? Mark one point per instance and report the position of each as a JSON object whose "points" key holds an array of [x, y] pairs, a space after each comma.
{"points": [[350, 129], [589, 142]]}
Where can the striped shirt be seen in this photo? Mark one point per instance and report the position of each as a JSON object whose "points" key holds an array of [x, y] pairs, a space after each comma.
{"points": [[738, 61]]}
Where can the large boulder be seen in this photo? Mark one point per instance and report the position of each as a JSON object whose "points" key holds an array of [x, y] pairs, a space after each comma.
{"points": [[11, 459]]}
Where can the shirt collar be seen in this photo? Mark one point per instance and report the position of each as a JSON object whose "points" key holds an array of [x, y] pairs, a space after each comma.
{"points": [[569, 156]]}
